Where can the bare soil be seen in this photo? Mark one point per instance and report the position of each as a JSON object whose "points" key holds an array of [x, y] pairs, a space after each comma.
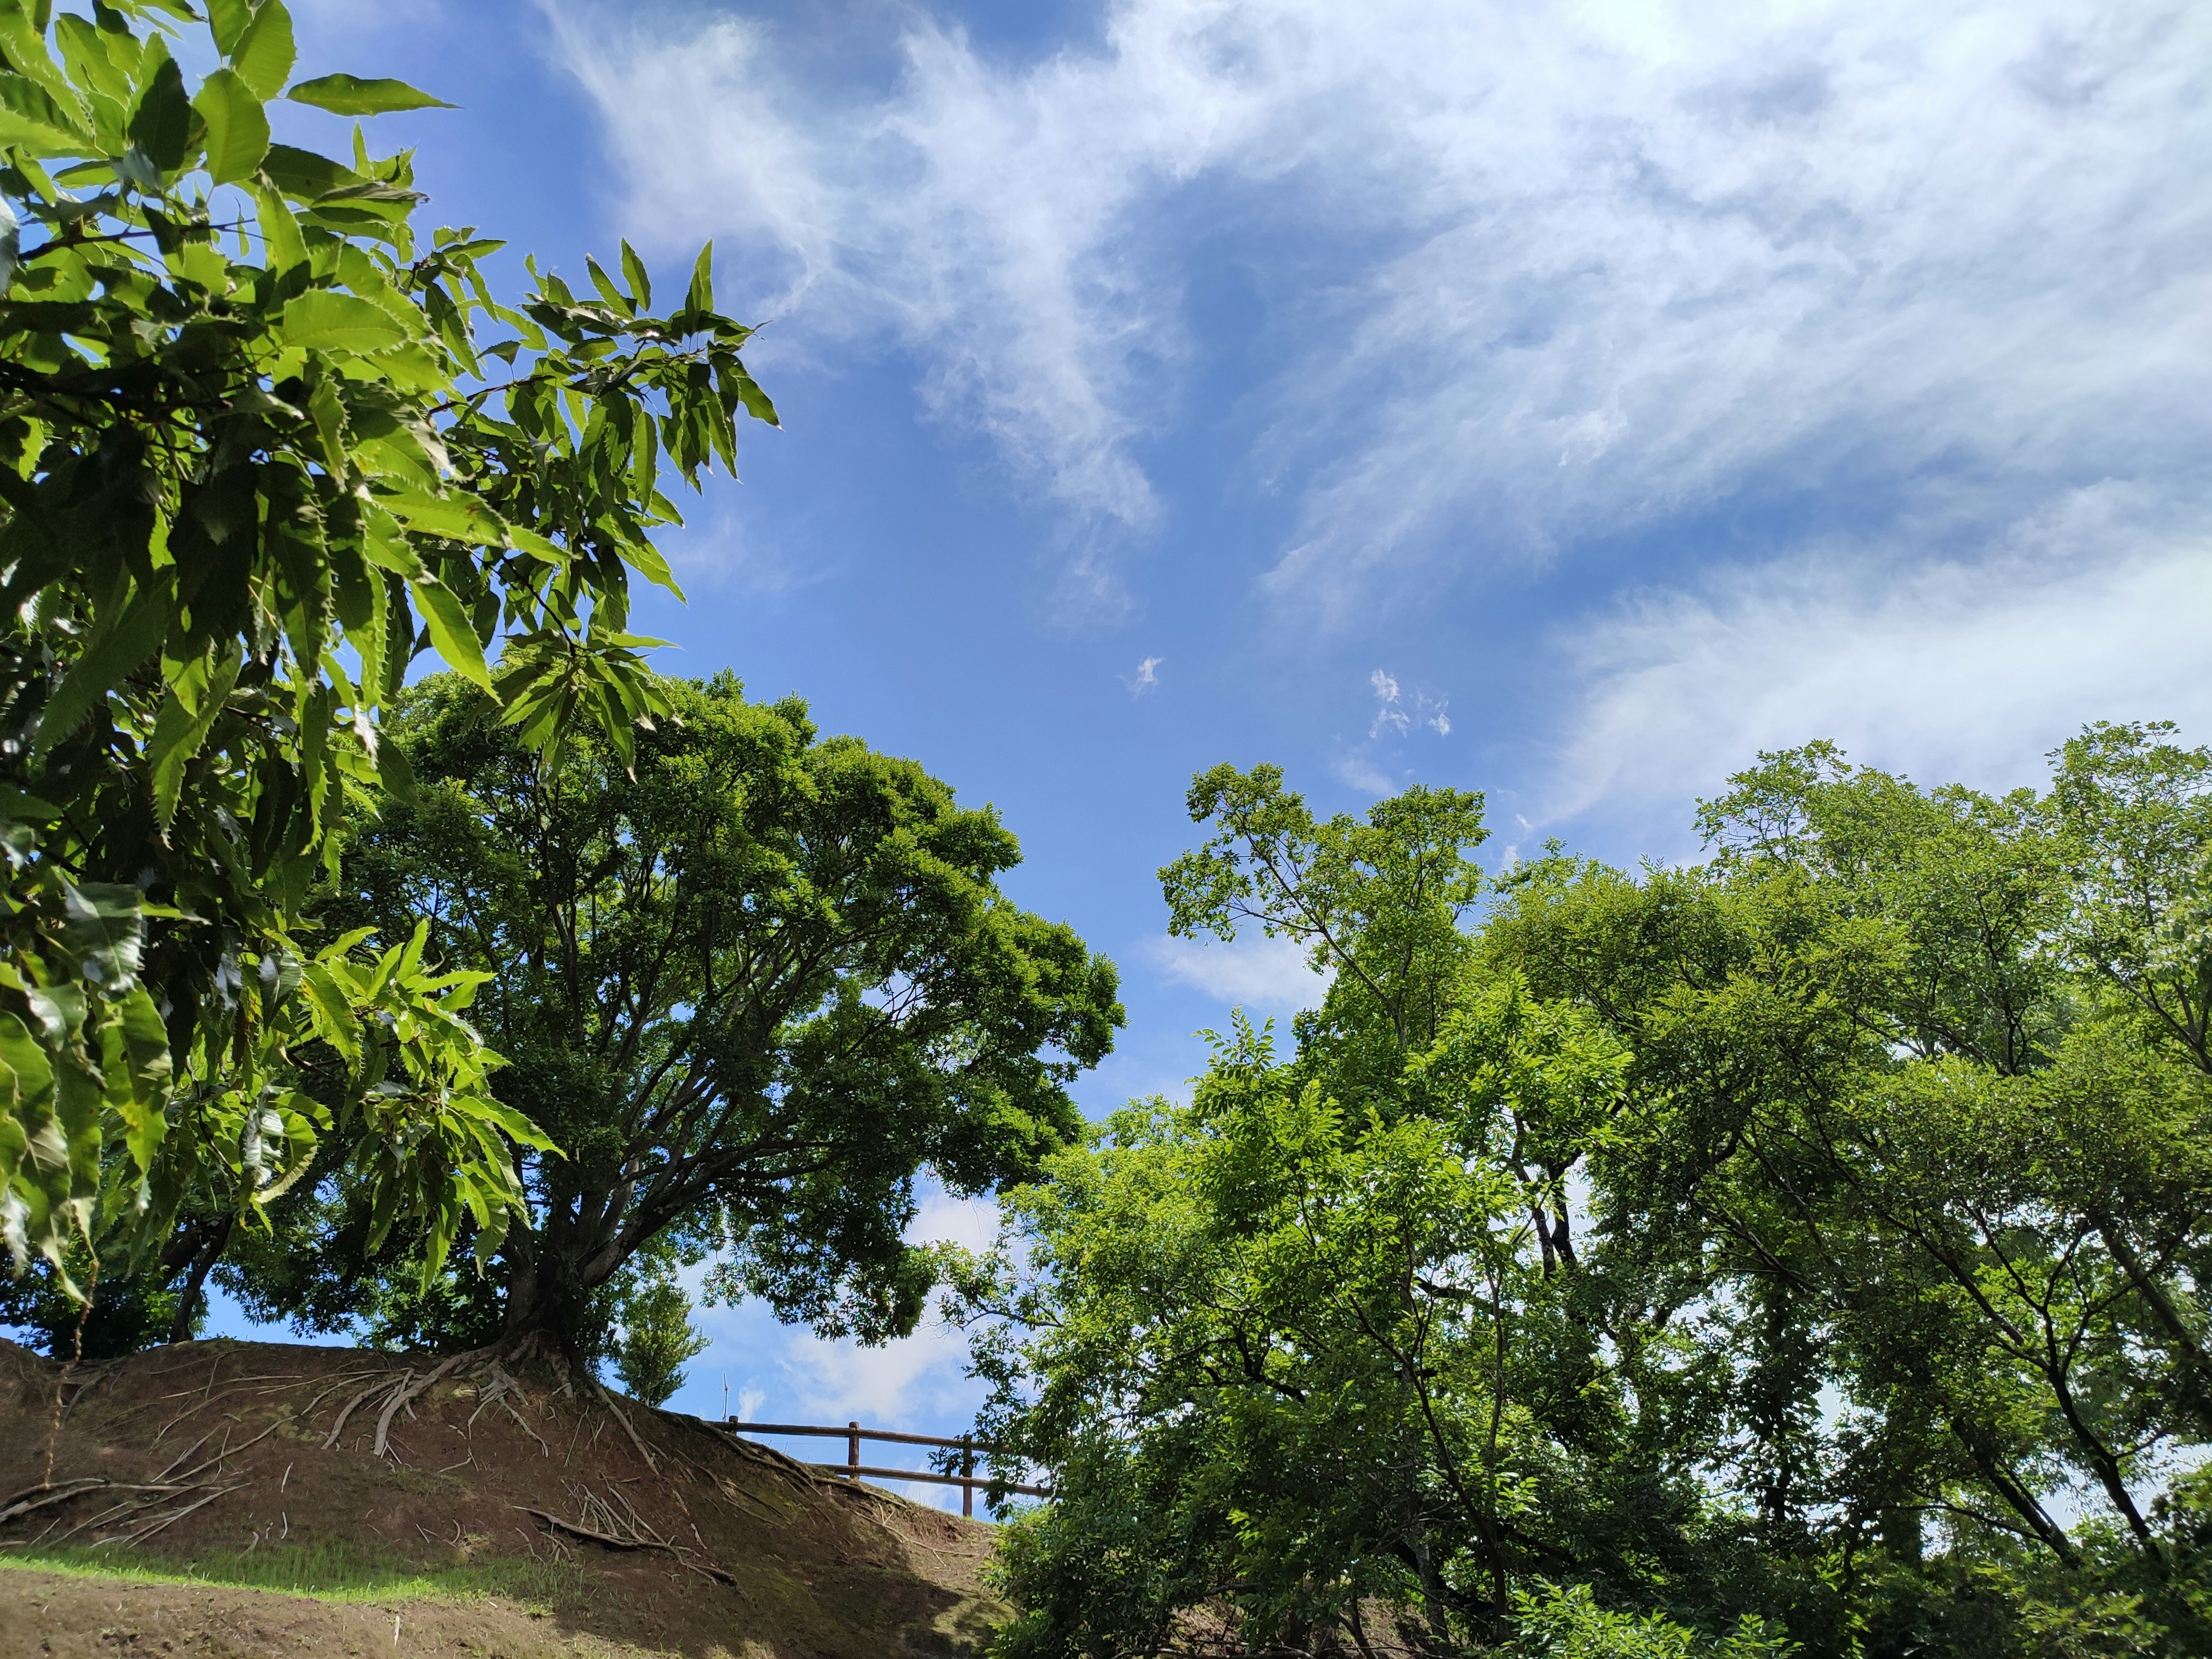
{"points": [[601, 1528]]}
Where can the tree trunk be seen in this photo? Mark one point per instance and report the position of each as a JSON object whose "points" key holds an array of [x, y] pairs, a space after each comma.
{"points": [[201, 1249]]}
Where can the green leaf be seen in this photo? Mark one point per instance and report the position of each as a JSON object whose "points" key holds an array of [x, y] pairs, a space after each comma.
{"points": [[344, 94], [396, 773], [305, 176], [457, 518], [517, 1127], [755, 400], [237, 127], [112, 652], [264, 52], [104, 924], [644, 558], [227, 21], [321, 320], [36, 137], [701, 298], [179, 732], [280, 230], [146, 1069], [335, 1021], [605, 284], [451, 633], [25, 50], [640, 285], [31, 1073], [161, 125]]}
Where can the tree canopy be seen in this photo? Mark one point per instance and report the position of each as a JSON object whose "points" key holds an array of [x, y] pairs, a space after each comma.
{"points": [[749, 983], [1804, 1247], [262, 442]]}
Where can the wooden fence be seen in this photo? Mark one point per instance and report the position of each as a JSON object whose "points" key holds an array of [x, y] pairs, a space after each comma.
{"points": [[853, 1434]]}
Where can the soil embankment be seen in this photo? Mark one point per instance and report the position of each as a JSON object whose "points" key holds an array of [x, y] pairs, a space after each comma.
{"points": [[425, 1507]]}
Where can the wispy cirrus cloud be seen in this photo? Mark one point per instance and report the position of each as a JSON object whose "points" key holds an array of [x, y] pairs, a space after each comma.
{"points": [[1272, 975], [1944, 670], [1586, 268]]}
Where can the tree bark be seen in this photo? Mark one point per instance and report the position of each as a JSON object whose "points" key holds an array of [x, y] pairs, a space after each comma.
{"points": [[205, 1250]]}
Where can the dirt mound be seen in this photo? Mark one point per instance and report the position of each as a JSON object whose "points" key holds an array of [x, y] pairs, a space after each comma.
{"points": [[491, 1512]]}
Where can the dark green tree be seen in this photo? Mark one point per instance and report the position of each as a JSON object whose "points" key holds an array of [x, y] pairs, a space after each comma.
{"points": [[750, 979]]}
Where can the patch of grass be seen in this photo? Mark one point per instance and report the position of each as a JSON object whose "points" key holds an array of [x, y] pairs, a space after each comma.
{"points": [[328, 1571]]}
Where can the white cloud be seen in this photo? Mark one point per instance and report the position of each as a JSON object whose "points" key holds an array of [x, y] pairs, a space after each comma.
{"points": [[1146, 676], [1952, 670], [1355, 770], [941, 1219], [1596, 266], [1268, 973], [1388, 716]]}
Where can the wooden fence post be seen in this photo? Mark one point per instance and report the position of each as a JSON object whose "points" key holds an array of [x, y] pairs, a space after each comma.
{"points": [[853, 1448], [967, 1468]]}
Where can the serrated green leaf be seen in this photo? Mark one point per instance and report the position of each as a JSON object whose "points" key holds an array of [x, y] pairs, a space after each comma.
{"points": [[39, 138], [396, 773], [304, 176], [335, 1020], [346, 94], [179, 732], [755, 400], [640, 285], [517, 1128], [147, 1067], [701, 298], [161, 124], [459, 518], [644, 558], [104, 926], [321, 320], [237, 127], [110, 655], [264, 52], [605, 284], [280, 230], [26, 48], [227, 21], [451, 633]]}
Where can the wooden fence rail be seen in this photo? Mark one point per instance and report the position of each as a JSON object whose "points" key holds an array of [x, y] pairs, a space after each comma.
{"points": [[852, 1468]]}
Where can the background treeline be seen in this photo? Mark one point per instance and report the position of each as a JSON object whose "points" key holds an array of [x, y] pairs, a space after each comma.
{"points": [[1806, 1246]]}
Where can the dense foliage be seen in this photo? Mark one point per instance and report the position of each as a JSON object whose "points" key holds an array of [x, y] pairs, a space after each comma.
{"points": [[262, 442], [752, 983], [1805, 1248]]}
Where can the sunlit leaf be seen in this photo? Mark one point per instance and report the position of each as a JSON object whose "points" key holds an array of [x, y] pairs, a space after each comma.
{"points": [[345, 94], [237, 130]]}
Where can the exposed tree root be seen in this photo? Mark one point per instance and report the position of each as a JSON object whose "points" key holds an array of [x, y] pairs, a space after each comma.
{"points": [[634, 1535]]}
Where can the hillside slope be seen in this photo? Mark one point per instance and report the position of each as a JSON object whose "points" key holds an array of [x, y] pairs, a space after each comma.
{"points": [[491, 1513]]}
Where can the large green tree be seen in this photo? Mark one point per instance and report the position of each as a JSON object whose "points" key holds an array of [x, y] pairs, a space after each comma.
{"points": [[262, 442], [1816, 1235], [751, 981]]}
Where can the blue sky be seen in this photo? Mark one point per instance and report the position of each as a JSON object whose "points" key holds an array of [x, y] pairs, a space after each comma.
{"points": [[1564, 402]]}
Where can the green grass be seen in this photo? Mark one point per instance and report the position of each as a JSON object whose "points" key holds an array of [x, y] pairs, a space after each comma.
{"points": [[326, 1571]]}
